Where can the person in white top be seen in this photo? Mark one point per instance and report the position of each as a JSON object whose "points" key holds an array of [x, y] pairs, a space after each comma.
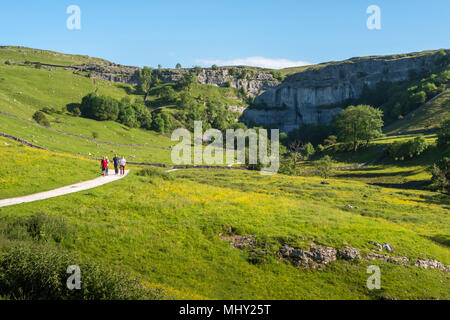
{"points": [[123, 163]]}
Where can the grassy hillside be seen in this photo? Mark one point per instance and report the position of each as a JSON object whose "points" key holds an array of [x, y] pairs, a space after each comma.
{"points": [[167, 230], [426, 117], [22, 54], [26, 170]]}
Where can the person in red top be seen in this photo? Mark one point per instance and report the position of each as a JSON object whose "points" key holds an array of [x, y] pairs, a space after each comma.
{"points": [[104, 164]]}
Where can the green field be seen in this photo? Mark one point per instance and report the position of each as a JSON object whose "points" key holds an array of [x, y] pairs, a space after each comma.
{"points": [[166, 231], [173, 230]]}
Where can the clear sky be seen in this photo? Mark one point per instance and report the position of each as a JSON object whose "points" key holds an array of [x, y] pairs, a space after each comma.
{"points": [[201, 32]]}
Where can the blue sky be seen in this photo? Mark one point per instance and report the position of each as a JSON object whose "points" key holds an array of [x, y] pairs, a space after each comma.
{"points": [[193, 32]]}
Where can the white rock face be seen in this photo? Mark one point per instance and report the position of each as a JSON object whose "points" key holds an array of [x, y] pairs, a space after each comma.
{"points": [[308, 96]]}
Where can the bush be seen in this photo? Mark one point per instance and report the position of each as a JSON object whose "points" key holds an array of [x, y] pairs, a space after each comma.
{"points": [[40, 272], [440, 174], [40, 118], [106, 108], [414, 147], [99, 107], [444, 135], [76, 112]]}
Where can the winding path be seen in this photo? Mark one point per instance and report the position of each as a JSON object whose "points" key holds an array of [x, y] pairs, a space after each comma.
{"points": [[77, 187]]}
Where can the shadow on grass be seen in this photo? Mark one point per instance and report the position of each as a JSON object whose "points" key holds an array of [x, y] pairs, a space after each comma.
{"points": [[418, 184], [442, 239]]}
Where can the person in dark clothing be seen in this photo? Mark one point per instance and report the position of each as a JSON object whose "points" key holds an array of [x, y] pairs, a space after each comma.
{"points": [[116, 164]]}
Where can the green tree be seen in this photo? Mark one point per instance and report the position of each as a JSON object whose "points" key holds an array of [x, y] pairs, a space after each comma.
{"points": [[308, 151], [146, 80], [143, 116], [356, 124], [440, 174], [178, 66], [158, 123], [323, 166], [127, 116], [40, 118], [444, 135]]}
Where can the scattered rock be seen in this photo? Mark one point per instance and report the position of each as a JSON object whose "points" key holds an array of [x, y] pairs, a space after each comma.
{"points": [[379, 246], [402, 261], [239, 242], [387, 247], [314, 258], [323, 254], [325, 182], [349, 206], [348, 253], [431, 264]]}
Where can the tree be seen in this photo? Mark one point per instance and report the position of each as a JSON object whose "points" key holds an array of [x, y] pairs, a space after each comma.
{"points": [[146, 80], [143, 116], [331, 140], [444, 135], [40, 118], [440, 174], [178, 66], [295, 149], [323, 166], [127, 116], [359, 123], [158, 123], [308, 151], [418, 98], [99, 107], [167, 93]]}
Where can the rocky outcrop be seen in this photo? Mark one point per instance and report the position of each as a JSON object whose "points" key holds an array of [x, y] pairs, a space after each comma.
{"points": [[308, 96], [254, 81]]}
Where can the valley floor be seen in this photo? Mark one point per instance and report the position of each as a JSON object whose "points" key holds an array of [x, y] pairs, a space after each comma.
{"points": [[172, 230]]}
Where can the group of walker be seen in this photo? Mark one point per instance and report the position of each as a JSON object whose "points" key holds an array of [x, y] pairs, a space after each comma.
{"points": [[118, 164]]}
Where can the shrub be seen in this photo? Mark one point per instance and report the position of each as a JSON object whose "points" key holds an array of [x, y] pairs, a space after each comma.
{"points": [[40, 272], [440, 174], [76, 112], [40, 118], [444, 135], [414, 147]]}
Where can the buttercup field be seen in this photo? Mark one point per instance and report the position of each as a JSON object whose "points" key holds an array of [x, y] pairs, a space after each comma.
{"points": [[224, 151]]}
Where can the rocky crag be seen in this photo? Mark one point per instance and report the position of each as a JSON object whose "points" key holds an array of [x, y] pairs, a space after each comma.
{"points": [[306, 97]]}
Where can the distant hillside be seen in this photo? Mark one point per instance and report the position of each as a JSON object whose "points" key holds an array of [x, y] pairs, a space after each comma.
{"points": [[427, 117]]}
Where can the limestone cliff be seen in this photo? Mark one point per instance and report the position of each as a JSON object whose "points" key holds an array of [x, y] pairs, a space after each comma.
{"points": [[301, 97]]}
